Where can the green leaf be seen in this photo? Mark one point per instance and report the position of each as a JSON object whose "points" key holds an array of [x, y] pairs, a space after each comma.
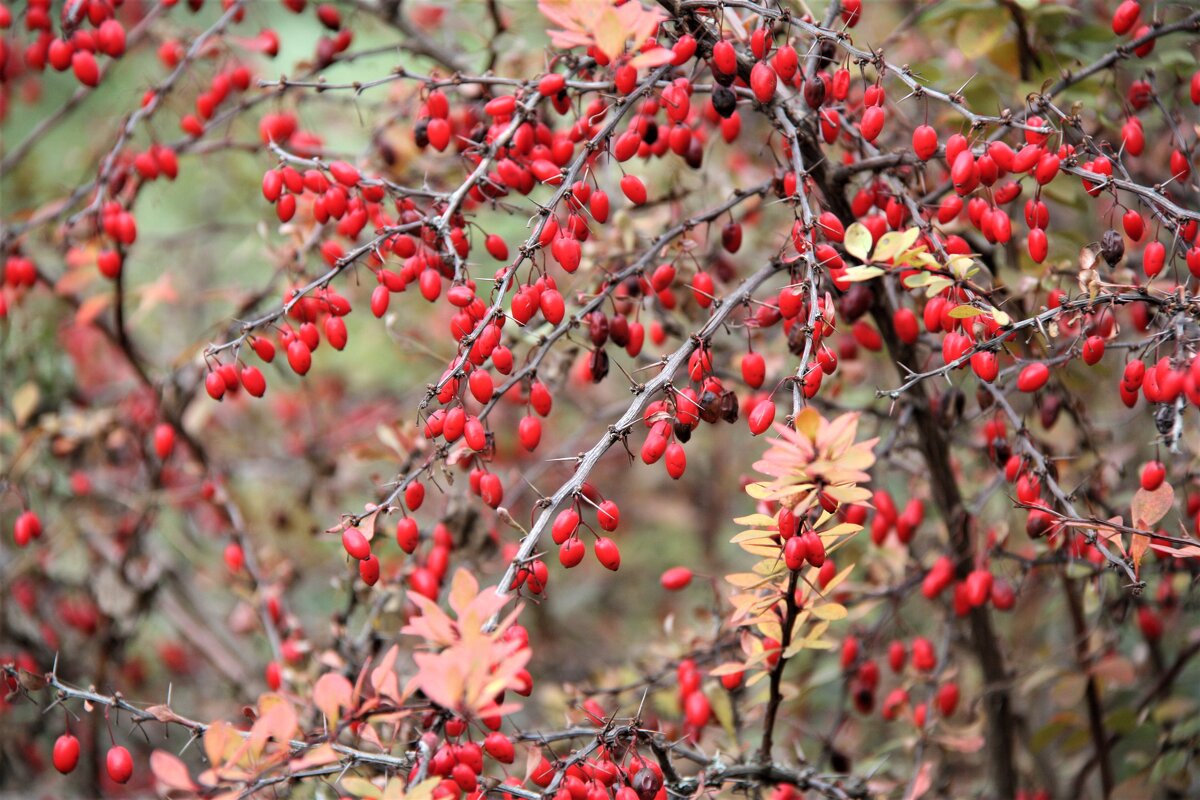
{"points": [[857, 241], [979, 34], [966, 312]]}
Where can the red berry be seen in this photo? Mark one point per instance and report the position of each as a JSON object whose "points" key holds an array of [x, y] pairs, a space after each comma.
{"points": [[356, 544], [119, 764], [529, 431], [214, 384], [1153, 474], [697, 710], [634, 189], [414, 495], [164, 440], [923, 656], [947, 699], [1153, 258], [1125, 17], [368, 570], [66, 753], [499, 747], [724, 58], [754, 370], [608, 515], [571, 554], [1134, 224], [872, 123], [676, 578], [905, 323], [84, 65], [795, 552], [299, 356], [565, 525], [27, 527], [408, 536], [924, 142], [761, 417], [254, 381], [607, 553], [1038, 245], [676, 460], [763, 81], [1033, 377]]}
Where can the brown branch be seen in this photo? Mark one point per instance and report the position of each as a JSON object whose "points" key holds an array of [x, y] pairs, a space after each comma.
{"points": [[775, 697]]}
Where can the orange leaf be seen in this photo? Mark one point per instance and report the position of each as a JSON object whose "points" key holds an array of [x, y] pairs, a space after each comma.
{"points": [[90, 309], [921, 782], [330, 694], [170, 772], [1150, 507]]}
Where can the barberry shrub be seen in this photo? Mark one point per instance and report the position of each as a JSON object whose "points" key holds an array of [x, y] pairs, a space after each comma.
{"points": [[843, 352]]}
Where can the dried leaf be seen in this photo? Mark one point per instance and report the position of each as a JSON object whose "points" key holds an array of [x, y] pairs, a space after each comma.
{"points": [[31, 681]]}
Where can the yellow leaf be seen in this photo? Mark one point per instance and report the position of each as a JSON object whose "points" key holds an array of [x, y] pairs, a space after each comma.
{"points": [[808, 421], [861, 273], [24, 402], [857, 241], [837, 579], [764, 550], [359, 787], [960, 266], [744, 580], [219, 742], [759, 491], [728, 668], [829, 611], [979, 33], [771, 628], [722, 709], [937, 284], [756, 521], [610, 33], [894, 242], [753, 535]]}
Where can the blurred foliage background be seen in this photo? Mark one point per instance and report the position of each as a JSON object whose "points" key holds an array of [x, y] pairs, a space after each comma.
{"points": [[327, 444]]}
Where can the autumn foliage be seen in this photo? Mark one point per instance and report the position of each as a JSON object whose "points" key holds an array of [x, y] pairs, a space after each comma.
{"points": [[599, 399]]}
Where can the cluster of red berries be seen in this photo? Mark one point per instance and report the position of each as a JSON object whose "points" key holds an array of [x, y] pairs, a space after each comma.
{"points": [[864, 676], [87, 29]]}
